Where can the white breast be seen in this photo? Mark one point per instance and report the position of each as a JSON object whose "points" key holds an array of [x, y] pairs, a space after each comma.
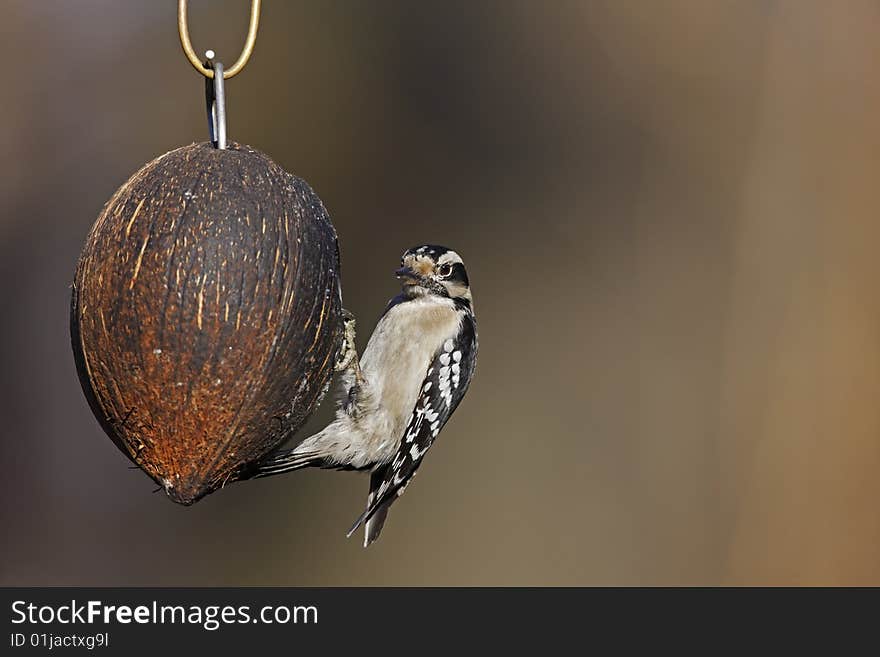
{"points": [[395, 361]]}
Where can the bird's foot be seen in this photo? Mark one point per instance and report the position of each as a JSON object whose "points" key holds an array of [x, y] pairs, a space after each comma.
{"points": [[347, 356]]}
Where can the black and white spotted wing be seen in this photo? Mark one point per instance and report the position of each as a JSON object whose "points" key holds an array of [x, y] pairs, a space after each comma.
{"points": [[444, 386]]}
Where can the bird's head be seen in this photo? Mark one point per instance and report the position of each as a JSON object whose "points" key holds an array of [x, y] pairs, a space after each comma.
{"points": [[433, 270]]}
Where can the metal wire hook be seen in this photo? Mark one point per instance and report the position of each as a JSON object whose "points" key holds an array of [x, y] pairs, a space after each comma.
{"points": [[235, 69], [215, 99]]}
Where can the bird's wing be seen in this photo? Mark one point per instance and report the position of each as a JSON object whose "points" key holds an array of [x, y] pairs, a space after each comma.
{"points": [[443, 387]]}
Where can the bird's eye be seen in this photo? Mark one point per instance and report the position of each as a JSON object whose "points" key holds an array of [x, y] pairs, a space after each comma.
{"points": [[445, 270]]}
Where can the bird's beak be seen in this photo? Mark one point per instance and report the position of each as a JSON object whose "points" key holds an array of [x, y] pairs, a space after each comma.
{"points": [[408, 275]]}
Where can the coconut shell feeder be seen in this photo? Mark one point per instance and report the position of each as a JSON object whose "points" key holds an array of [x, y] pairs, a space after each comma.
{"points": [[206, 310]]}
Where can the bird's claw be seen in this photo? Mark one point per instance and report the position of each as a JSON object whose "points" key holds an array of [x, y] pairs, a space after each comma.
{"points": [[347, 356]]}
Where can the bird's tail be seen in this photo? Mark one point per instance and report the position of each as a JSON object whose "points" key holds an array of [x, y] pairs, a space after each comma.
{"points": [[373, 526], [286, 460], [373, 518]]}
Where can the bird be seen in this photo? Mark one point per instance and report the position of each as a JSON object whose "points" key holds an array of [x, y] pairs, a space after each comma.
{"points": [[396, 398]]}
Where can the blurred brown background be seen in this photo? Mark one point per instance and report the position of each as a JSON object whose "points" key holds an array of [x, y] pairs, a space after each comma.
{"points": [[669, 213]]}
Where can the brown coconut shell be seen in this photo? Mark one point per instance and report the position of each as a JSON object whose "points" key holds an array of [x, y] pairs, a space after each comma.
{"points": [[205, 315]]}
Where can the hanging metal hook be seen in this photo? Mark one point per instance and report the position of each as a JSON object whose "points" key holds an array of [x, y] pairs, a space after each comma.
{"points": [[215, 99], [235, 69]]}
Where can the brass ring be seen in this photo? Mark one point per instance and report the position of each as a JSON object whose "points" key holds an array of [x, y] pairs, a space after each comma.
{"points": [[235, 69]]}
